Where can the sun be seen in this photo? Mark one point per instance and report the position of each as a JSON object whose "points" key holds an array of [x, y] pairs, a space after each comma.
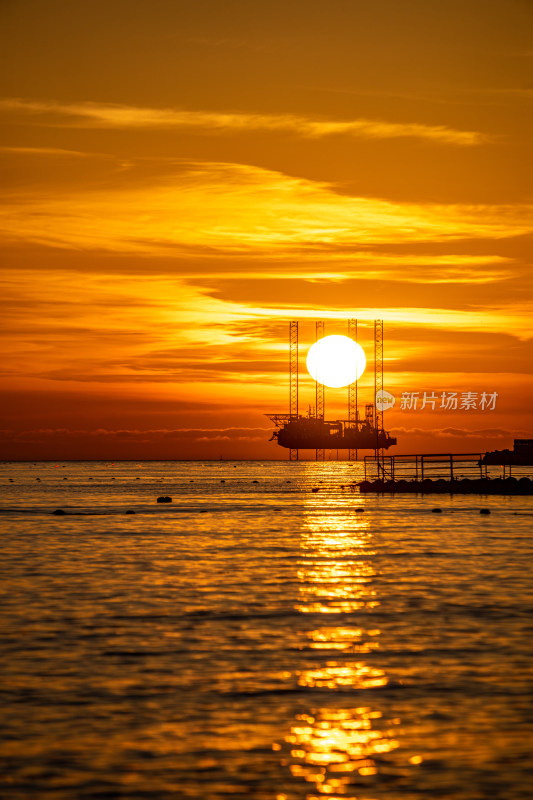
{"points": [[336, 361]]}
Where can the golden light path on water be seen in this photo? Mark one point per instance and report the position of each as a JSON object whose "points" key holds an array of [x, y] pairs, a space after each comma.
{"points": [[258, 640], [332, 747]]}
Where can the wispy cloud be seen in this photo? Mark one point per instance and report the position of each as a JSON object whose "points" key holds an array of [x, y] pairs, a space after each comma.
{"points": [[371, 266], [157, 434], [44, 151], [460, 433], [100, 115], [157, 330], [240, 209]]}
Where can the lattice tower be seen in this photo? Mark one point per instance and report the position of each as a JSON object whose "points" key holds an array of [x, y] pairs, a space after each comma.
{"points": [[320, 398], [293, 372], [378, 387], [353, 416]]}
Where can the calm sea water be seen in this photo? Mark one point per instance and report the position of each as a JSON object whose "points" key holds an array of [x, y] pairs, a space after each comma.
{"points": [[256, 639]]}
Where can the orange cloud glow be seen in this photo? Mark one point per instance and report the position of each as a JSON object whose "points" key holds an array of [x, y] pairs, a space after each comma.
{"points": [[179, 185], [116, 116], [235, 208]]}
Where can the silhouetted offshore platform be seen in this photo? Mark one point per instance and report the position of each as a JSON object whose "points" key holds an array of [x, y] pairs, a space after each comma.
{"points": [[309, 433], [312, 431]]}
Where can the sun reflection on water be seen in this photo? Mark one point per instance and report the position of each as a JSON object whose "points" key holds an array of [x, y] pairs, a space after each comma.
{"points": [[334, 748], [348, 639], [335, 572], [334, 675], [337, 741]]}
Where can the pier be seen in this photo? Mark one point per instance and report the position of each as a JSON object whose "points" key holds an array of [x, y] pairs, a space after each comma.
{"points": [[427, 465], [440, 473]]}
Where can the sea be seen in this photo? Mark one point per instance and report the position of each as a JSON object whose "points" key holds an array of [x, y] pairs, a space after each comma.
{"points": [[270, 634]]}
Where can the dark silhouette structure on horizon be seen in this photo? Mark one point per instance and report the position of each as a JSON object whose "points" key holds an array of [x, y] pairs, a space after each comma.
{"points": [[520, 455], [296, 432], [309, 433]]}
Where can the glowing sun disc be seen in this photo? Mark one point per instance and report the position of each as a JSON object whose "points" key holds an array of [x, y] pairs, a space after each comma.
{"points": [[336, 361]]}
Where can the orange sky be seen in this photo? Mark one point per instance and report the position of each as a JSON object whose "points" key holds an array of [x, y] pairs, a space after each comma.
{"points": [[183, 178]]}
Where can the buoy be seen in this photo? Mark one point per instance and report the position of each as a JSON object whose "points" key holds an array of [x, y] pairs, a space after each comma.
{"points": [[255, 481], [222, 481], [437, 510], [130, 511], [359, 510], [484, 510], [58, 512], [164, 499], [315, 489]]}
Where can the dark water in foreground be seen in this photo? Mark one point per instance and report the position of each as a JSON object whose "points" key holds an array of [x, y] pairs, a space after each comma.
{"points": [[258, 640]]}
